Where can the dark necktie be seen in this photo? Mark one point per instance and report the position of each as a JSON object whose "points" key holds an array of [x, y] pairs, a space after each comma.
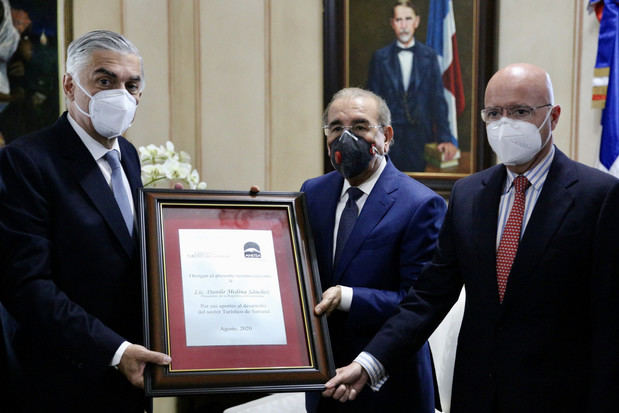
{"points": [[511, 235], [119, 189], [347, 220], [405, 49]]}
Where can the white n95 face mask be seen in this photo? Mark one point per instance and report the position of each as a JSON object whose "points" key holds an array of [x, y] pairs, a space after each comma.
{"points": [[111, 111], [515, 142]]}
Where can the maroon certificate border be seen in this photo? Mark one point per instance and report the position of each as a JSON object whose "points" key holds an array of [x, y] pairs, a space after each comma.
{"points": [[303, 363]]}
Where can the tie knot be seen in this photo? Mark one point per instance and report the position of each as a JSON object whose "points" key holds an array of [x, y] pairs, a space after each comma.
{"points": [[354, 193], [112, 158], [521, 183]]}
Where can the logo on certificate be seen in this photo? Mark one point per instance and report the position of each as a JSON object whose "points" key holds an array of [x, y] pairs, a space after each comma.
{"points": [[252, 250]]}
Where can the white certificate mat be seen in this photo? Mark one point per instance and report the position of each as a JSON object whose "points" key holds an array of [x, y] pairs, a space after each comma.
{"points": [[230, 288]]}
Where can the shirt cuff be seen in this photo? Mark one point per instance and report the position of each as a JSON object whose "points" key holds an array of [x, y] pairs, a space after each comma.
{"points": [[119, 353], [345, 299], [374, 368]]}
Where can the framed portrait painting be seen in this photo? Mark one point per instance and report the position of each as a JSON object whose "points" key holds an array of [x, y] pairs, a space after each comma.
{"points": [[34, 35], [444, 92]]}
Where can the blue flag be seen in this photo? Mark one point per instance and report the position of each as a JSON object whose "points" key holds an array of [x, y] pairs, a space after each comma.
{"points": [[606, 66], [441, 36]]}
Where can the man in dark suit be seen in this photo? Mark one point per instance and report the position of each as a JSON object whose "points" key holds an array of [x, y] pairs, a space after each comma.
{"points": [[541, 329], [406, 74], [8, 382], [392, 234], [72, 280]]}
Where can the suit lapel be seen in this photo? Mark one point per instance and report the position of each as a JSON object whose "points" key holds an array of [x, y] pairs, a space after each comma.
{"points": [[131, 166], [414, 80], [91, 180], [132, 170], [379, 201], [552, 205], [392, 67], [486, 214]]}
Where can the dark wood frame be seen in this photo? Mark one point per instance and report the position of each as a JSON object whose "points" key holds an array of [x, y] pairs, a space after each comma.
{"points": [[485, 29], [160, 381]]}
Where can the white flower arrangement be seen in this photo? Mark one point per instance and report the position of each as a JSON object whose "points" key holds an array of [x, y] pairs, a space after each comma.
{"points": [[163, 167]]}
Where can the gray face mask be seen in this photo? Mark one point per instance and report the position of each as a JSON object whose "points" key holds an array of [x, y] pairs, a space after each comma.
{"points": [[351, 155]]}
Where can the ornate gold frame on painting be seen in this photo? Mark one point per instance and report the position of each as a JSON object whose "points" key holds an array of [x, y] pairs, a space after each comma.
{"points": [[476, 32]]}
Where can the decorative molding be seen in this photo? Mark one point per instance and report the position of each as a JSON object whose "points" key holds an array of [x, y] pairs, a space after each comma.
{"points": [[170, 70], [64, 25], [576, 78], [197, 68], [268, 95], [123, 14]]}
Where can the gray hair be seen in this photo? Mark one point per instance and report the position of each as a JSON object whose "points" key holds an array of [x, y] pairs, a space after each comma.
{"points": [[384, 115], [80, 50]]}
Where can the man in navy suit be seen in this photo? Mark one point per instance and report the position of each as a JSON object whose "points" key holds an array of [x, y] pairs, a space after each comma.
{"points": [[72, 280], [546, 337], [406, 74], [392, 233]]}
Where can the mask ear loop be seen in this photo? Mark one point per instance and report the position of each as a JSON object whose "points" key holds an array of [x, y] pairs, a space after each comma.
{"points": [[549, 131], [374, 150], [87, 94]]}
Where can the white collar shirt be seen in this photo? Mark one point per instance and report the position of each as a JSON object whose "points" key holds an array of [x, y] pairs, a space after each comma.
{"points": [[406, 63], [98, 151], [366, 187], [536, 176]]}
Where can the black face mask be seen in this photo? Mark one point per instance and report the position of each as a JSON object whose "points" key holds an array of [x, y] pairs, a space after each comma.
{"points": [[351, 155]]}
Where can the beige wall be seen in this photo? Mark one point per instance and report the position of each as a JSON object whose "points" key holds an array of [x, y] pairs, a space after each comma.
{"points": [[560, 36], [238, 85]]}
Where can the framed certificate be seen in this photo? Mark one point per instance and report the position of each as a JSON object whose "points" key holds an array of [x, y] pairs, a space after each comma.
{"points": [[230, 281]]}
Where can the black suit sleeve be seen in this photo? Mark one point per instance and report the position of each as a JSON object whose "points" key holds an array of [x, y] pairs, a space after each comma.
{"points": [[604, 290], [426, 304]]}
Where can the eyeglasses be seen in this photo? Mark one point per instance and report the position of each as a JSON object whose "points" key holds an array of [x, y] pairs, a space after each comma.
{"points": [[358, 129], [518, 112]]}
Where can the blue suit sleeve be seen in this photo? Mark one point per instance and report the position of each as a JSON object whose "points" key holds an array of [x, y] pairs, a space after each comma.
{"points": [[371, 307]]}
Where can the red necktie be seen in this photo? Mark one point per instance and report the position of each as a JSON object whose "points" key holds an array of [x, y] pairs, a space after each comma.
{"points": [[511, 235]]}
